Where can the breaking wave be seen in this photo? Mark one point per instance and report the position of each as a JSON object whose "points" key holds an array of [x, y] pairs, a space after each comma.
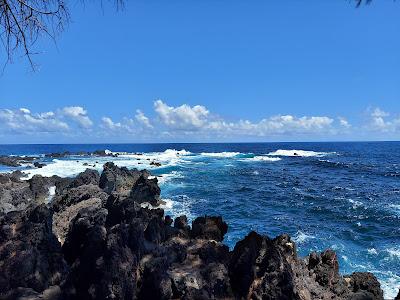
{"points": [[296, 153]]}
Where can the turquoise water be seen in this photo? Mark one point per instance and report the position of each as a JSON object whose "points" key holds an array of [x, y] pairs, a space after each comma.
{"points": [[344, 196]]}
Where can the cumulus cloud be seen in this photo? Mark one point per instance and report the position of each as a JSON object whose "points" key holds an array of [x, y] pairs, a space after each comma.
{"points": [[23, 121], [62, 120], [379, 121], [186, 122], [198, 118], [343, 122], [142, 119], [108, 123], [275, 125], [128, 126], [79, 115], [24, 110], [124, 127], [183, 117]]}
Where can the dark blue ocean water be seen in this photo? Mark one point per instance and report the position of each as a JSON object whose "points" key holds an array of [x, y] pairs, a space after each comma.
{"points": [[344, 196]]}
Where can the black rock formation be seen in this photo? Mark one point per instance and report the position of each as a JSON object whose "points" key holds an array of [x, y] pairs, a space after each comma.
{"points": [[95, 240]]}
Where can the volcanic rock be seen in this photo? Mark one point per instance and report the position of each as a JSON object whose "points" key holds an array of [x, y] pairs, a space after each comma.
{"points": [[29, 252], [120, 180], [96, 241], [15, 161]]}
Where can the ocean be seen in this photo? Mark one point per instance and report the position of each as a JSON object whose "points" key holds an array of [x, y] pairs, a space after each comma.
{"points": [[343, 196]]}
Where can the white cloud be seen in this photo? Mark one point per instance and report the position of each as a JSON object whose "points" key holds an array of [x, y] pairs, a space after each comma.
{"points": [[379, 121], [183, 117], [275, 125], [199, 118], [126, 127], [108, 123], [142, 119], [79, 115], [292, 124], [23, 121], [25, 110], [378, 113], [343, 122], [186, 123]]}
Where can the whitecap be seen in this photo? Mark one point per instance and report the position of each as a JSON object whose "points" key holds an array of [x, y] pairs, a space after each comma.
{"points": [[394, 253], [220, 154], [372, 251], [301, 237], [181, 205], [356, 204], [395, 207], [296, 153], [169, 157], [262, 158], [164, 178]]}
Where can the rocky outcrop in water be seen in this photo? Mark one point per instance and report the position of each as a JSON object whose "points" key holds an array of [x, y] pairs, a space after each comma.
{"points": [[15, 161], [95, 240], [100, 153]]}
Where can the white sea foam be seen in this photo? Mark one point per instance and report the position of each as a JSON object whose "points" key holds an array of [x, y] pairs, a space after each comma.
{"points": [[52, 192], [180, 205], [169, 157], [301, 153], [62, 168], [164, 178], [72, 167], [356, 204], [220, 154], [395, 208], [389, 281], [394, 253], [262, 158], [165, 204], [301, 237], [372, 251]]}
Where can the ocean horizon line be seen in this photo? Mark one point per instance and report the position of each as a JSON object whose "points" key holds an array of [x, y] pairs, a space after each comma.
{"points": [[212, 143]]}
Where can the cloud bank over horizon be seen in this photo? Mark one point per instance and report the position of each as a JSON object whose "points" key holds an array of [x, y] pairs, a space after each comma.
{"points": [[185, 123]]}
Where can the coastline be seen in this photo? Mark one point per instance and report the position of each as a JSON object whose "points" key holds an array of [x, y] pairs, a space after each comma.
{"points": [[108, 209]]}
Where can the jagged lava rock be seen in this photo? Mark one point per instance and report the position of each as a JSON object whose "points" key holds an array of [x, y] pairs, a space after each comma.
{"points": [[95, 240], [146, 191], [15, 161], [120, 180], [30, 254], [17, 194]]}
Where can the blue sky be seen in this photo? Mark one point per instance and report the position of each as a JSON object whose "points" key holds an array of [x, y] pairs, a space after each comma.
{"points": [[170, 71]]}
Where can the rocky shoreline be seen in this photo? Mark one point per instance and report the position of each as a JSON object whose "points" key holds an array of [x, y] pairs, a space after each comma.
{"points": [[18, 161], [93, 237]]}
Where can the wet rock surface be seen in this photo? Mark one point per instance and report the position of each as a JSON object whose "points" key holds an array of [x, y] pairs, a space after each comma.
{"points": [[95, 240]]}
